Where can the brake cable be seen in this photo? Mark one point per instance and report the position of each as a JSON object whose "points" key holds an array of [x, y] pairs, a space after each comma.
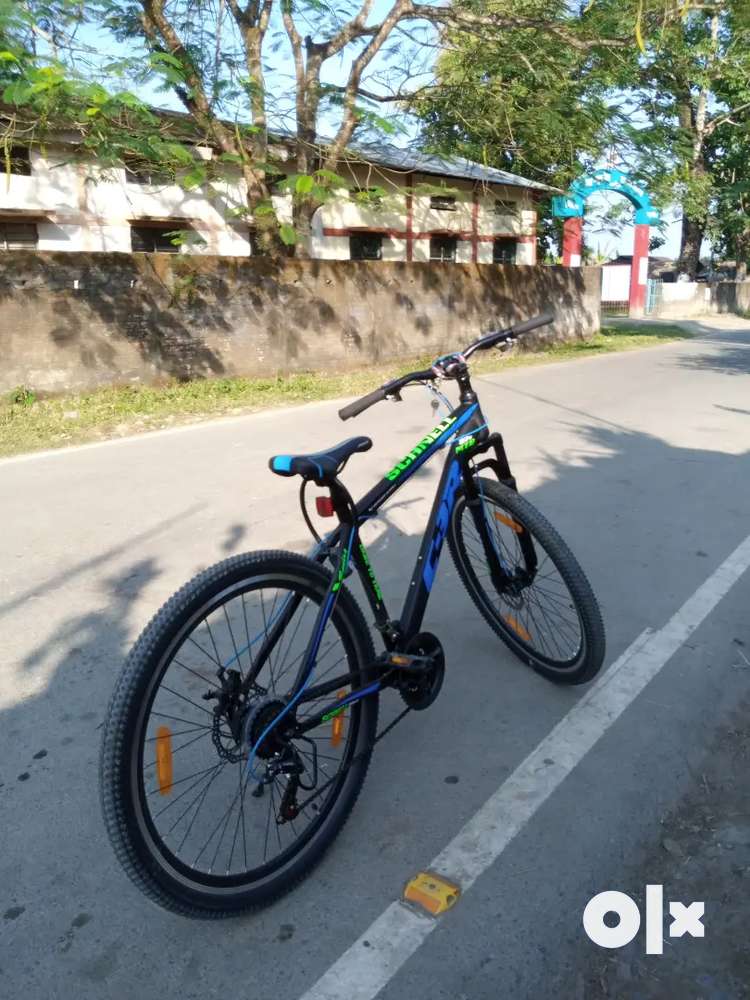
{"points": [[305, 515]]}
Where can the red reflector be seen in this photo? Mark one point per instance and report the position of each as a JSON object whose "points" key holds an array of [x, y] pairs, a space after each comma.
{"points": [[324, 506]]}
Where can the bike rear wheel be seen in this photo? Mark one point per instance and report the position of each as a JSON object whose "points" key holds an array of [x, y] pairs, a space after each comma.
{"points": [[546, 613], [188, 820]]}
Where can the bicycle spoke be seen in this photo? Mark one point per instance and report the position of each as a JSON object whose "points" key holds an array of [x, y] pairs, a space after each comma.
{"points": [[209, 820], [542, 609]]}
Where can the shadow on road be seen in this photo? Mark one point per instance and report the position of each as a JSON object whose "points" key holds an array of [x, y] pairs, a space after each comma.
{"points": [[632, 508]]}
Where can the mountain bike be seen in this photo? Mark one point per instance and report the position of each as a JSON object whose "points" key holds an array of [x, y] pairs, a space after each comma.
{"points": [[241, 728]]}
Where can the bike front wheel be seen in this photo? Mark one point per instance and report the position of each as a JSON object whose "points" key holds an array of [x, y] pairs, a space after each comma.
{"points": [[543, 607], [189, 819]]}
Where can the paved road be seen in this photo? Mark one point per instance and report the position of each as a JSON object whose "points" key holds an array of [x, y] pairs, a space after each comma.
{"points": [[641, 460]]}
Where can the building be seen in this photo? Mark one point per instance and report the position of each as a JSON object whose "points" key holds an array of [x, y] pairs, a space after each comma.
{"points": [[662, 268], [427, 208]]}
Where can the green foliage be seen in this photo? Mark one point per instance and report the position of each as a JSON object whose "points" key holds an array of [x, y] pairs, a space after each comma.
{"points": [[288, 234], [22, 396], [521, 101]]}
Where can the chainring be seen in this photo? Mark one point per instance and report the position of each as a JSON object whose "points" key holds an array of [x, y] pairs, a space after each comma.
{"points": [[420, 690]]}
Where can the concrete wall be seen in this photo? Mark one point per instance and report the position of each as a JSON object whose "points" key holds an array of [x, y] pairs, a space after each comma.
{"points": [[687, 299], [75, 321]]}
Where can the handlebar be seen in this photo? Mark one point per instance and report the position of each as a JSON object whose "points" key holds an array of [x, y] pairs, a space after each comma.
{"points": [[390, 389], [510, 333]]}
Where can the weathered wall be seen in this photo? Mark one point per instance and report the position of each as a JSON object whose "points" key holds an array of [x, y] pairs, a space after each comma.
{"points": [[732, 296], [75, 321], [686, 299]]}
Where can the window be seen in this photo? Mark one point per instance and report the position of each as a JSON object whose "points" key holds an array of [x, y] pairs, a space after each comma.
{"points": [[443, 248], [365, 246], [504, 207], [443, 203], [18, 236], [155, 239], [146, 173], [504, 251], [20, 160]]}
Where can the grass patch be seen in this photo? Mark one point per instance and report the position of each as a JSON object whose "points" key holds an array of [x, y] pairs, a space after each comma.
{"points": [[28, 423]]}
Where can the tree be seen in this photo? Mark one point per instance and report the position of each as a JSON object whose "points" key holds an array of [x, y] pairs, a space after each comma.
{"points": [[695, 81], [520, 101], [660, 83], [729, 222], [213, 56]]}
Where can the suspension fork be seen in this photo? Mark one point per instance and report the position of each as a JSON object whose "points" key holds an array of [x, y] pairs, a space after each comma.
{"points": [[499, 465], [500, 579]]}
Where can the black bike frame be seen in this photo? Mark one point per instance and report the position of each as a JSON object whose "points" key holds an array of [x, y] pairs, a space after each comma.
{"points": [[467, 432]]}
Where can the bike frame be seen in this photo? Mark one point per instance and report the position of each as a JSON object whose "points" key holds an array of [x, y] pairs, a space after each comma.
{"points": [[466, 431]]}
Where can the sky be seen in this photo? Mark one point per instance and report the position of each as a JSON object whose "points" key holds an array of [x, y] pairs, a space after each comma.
{"points": [[610, 245]]}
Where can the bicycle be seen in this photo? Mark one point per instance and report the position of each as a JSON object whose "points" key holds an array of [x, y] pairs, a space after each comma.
{"points": [[227, 709]]}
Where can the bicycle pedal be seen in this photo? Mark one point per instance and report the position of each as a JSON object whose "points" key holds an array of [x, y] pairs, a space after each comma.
{"points": [[409, 663]]}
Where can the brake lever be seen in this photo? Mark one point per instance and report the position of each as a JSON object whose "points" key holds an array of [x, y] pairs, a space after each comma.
{"points": [[394, 397], [504, 345]]}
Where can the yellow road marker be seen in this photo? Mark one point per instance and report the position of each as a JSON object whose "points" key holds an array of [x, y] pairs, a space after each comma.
{"points": [[432, 892]]}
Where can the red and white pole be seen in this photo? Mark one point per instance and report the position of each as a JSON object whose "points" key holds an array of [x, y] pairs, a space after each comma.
{"points": [[639, 271], [572, 241]]}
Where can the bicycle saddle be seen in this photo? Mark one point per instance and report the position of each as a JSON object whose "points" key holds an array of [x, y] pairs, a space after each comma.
{"points": [[322, 465]]}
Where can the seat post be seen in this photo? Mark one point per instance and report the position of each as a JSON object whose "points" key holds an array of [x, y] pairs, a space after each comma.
{"points": [[343, 504]]}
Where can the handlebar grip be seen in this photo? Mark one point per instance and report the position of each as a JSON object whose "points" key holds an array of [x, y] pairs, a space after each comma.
{"points": [[532, 324], [359, 405]]}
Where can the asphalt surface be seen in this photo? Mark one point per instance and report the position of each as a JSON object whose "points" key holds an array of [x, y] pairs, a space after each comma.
{"points": [[641, 460]]}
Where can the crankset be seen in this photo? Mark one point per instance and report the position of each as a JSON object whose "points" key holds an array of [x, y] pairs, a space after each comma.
{"points": [[419, 683]]}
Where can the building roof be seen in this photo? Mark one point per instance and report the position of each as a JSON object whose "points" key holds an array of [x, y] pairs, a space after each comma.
{"points": [[411, 160], [383, 154]]}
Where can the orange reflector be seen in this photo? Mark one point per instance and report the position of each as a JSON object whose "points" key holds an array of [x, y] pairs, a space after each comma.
{"points": [[337, 724], [164, 759], [513, 525], [517, 627]]}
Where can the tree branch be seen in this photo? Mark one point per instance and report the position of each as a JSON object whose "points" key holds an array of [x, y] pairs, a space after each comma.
{"points": [[400, 9], [468, 21], [161, 33], [726, 118]]}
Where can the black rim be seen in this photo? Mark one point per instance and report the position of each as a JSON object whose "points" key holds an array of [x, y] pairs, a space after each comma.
{"points": [[541, 617], [218, 849]]}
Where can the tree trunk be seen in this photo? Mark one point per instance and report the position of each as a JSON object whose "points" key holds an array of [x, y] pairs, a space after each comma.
{"points": [[690, 247], [303, 216], [741, 255], [265, 225]]}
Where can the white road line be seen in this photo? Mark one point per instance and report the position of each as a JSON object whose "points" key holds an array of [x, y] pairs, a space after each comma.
{"points": [[364, 969]]}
